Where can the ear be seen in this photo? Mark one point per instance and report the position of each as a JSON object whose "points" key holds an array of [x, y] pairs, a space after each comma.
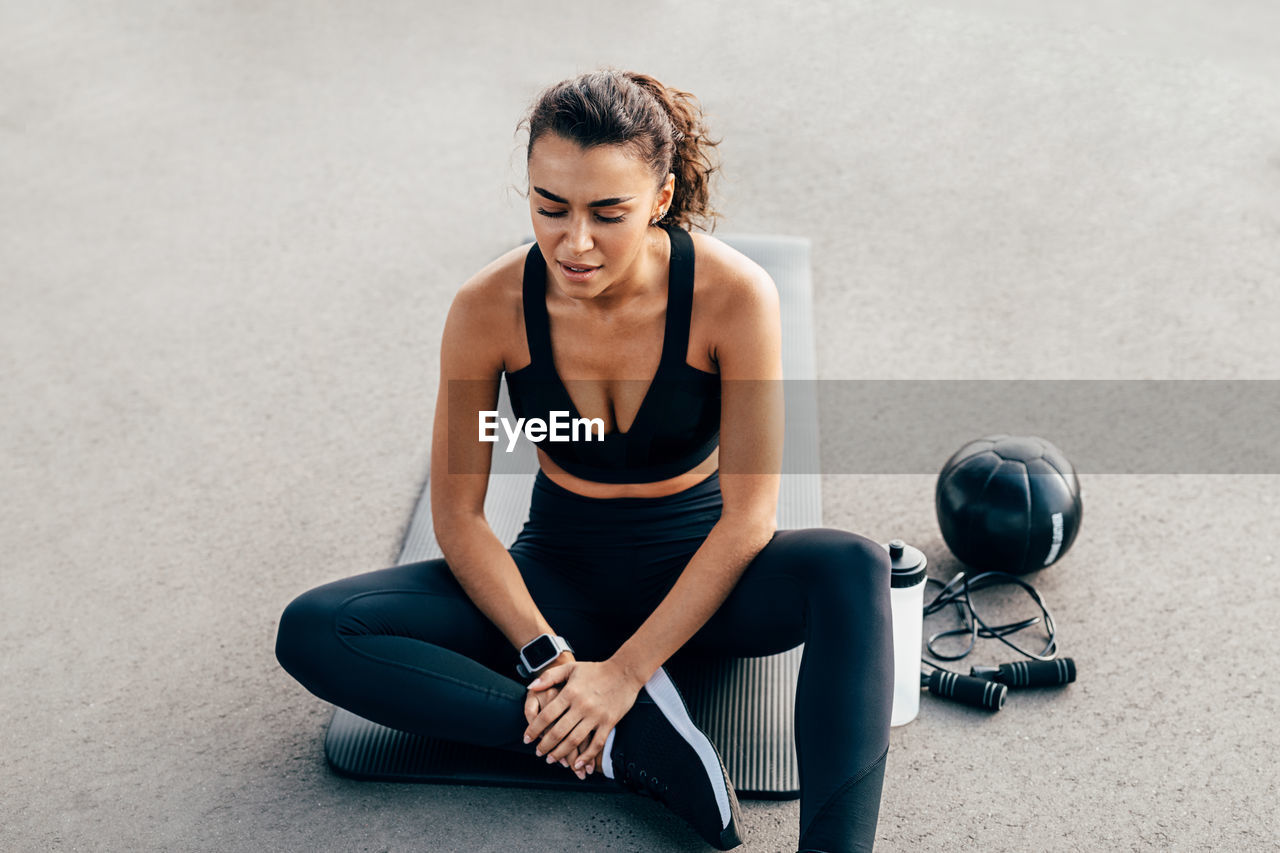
{"points": [[667, 191]]}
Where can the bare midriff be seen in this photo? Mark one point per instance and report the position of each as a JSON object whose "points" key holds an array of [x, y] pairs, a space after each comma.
{"points": [[656, 489]]}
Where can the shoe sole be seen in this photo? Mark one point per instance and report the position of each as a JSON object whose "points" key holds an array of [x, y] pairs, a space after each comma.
{"points": [[664, 694]]}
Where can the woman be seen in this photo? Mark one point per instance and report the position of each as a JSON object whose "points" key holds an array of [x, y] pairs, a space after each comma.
{"points": [[635, 547]]}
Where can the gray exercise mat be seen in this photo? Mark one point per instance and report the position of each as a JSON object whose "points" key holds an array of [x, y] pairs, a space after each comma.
{"points": [[746, 706]]}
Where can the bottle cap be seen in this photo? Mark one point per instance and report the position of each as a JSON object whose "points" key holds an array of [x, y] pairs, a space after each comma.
{"points": [[909, 564]]}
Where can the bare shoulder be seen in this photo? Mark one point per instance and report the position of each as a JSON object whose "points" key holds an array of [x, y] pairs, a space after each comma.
{"points": [[496, 287], [488, 310], [737, 318], [730, 286]]}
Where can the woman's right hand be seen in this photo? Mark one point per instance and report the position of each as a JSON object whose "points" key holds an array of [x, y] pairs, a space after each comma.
{"points": [[534, 702]]}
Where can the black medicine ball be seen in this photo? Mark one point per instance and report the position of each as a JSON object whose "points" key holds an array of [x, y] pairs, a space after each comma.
{"points": [[1008, 504]]}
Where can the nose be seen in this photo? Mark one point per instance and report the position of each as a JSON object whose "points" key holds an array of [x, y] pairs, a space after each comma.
{"points": [[578, 239]]}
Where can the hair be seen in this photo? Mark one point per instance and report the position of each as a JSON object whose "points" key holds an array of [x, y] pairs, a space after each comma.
{"points": [[664, 127]]}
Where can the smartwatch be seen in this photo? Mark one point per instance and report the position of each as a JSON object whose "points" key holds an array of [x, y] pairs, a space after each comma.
{"points": [[539, 652]]}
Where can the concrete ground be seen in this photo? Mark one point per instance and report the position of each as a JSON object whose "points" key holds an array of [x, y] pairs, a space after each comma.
{"points": [[228, 236]]}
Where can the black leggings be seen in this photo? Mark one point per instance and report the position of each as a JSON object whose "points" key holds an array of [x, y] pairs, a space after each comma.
{"points": [[406, 647]]}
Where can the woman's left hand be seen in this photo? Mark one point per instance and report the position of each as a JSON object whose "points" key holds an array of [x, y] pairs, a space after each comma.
{"points": [[594, 696]]}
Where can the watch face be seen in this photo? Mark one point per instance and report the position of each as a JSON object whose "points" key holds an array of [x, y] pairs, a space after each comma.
{"points": [[540, 652]]}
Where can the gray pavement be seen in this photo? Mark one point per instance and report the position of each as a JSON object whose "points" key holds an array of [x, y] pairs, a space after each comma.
{"points": [[228, 236]]}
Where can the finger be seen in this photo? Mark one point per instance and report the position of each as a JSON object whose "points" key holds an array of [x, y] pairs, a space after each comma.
{"points": [[553, 738], [537, 729], [577, 723], [584, 755], [557, 747], [591, 752], [545, 700], [579, 769], [535, 702], [576, 740], [567, 752], [578, 763], [551, 675], [531, 708], [579, 759], [571, 758]]}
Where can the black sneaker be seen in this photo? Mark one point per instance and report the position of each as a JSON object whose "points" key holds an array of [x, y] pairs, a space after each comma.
{"points": [[659, 752]]}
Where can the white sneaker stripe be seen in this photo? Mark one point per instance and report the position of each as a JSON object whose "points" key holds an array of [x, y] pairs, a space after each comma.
{"points": [[667, 698], [606, 763]]}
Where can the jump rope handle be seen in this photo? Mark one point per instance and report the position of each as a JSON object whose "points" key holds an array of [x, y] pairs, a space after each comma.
{"points": [[978, 692], [1029, 673]]}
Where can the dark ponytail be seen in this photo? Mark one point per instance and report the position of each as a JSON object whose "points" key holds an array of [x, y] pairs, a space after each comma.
{"points": [[664, 126]]}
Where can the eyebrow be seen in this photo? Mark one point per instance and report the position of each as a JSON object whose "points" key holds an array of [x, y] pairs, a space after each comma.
{"points": [[604, 202]]}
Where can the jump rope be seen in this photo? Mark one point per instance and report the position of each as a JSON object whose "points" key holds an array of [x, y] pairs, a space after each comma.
{"points": [[987, 686]]}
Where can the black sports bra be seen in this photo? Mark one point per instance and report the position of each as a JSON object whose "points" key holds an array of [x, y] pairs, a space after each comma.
{"points": [[678, 423]]}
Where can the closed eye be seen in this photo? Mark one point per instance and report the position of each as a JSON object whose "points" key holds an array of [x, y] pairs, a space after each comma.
{"points": [[556, 214]]}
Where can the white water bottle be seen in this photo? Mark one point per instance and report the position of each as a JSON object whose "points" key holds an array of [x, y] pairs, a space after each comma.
{"points": [[906, 597]]}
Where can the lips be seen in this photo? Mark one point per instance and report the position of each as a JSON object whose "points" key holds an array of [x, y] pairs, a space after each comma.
{"points": [[576, 272]]}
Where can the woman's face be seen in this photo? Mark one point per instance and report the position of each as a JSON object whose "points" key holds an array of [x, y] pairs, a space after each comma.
{"points": [[591, 209]]}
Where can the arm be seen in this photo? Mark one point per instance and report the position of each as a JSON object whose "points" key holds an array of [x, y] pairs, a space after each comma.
{"points": [[470, 369], [471, 366], [595, 696]]}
